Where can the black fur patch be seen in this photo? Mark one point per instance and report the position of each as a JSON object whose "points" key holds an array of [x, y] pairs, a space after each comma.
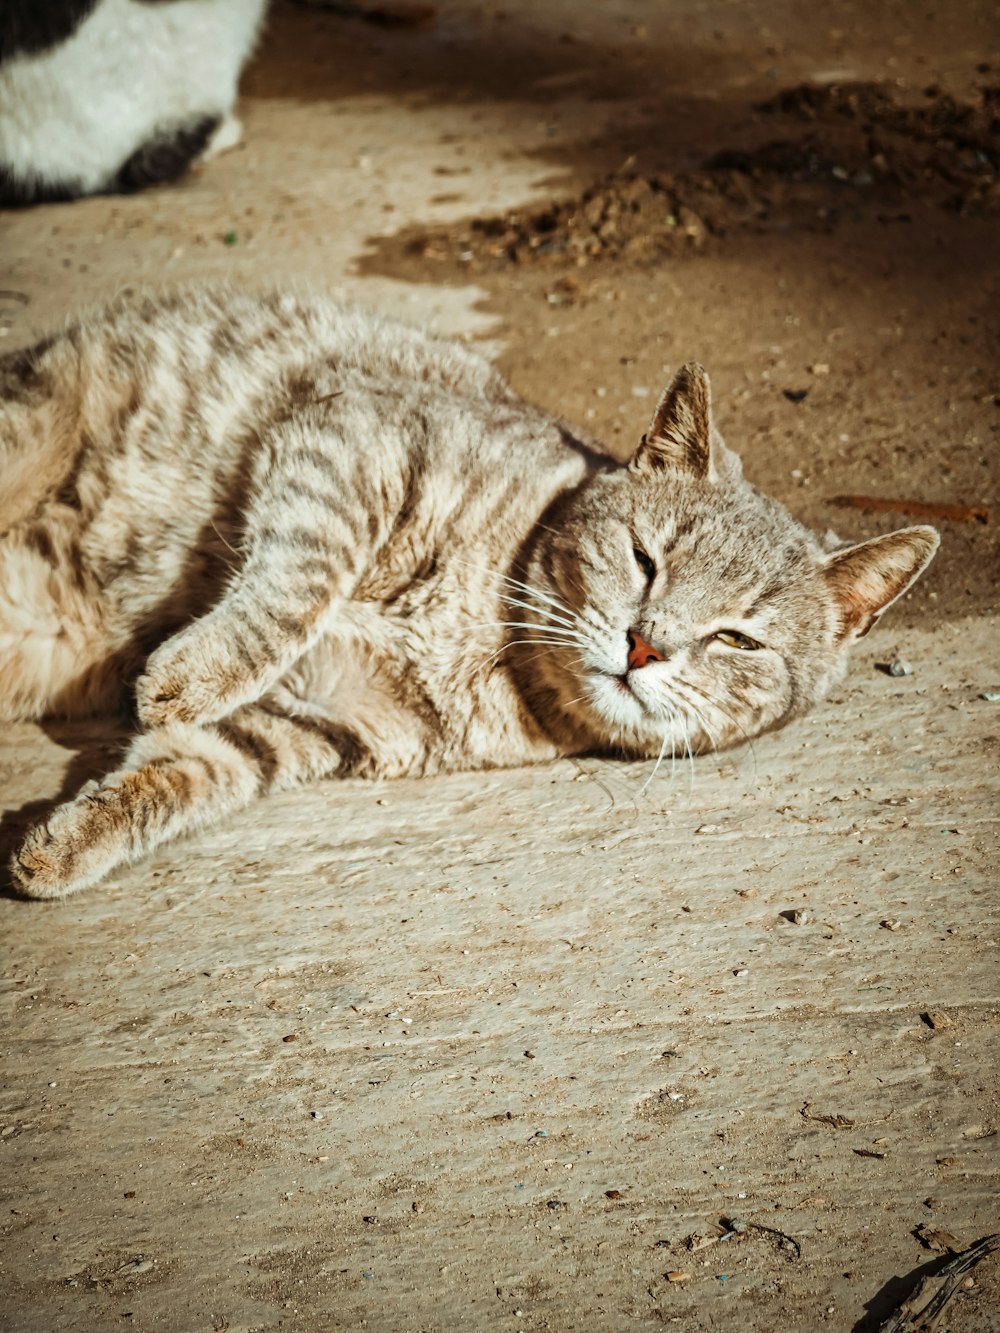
{"points": [[16, 192], [160, 159], [30, 26], [164, 157]]}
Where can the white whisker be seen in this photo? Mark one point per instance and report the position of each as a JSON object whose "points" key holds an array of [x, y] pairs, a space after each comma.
{"points": [[549, 616]]}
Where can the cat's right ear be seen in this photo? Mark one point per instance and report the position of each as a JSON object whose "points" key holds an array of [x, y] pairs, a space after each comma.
{"points": [[680, 433], [867, 578]]}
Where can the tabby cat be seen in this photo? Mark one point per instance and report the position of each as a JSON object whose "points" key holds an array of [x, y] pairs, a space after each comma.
{"points": [[311, 543]]}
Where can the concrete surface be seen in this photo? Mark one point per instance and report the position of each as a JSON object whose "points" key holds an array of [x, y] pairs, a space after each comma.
{"points": [[496, 1051]]}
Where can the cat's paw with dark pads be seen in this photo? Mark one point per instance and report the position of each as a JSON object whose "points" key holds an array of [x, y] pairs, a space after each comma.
{"points": [[189, 681], [72, 850]]}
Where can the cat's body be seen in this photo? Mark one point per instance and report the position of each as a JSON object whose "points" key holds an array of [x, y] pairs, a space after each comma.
{"points": [[107, 96], [315, 544]]}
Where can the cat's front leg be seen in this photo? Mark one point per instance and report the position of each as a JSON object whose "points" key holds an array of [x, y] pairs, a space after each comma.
{"points": [[224, 660], [318, 510], [174, 781]]}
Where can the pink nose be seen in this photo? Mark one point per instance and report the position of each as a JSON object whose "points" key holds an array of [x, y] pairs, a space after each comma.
{"points": [[641, 653]]}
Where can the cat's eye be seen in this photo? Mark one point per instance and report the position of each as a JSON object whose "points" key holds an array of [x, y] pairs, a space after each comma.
{"points": [[644, 563], [732, 638]]}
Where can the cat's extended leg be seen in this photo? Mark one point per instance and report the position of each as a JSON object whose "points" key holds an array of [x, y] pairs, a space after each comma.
{"points": [[318, 511], [174, 780]]}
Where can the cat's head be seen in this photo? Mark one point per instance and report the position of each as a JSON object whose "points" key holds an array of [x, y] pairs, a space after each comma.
{"points": [[681, 606]]}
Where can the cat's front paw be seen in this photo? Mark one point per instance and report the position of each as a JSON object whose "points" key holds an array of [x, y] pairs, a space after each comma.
{"points": [[183, 682], [71, 851]]}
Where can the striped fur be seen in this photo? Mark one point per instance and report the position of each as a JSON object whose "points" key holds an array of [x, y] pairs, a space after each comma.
{"points": [[310, 543]]}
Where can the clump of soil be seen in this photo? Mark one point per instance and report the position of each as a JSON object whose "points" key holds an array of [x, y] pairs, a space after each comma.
{"points": [[864, 151]]}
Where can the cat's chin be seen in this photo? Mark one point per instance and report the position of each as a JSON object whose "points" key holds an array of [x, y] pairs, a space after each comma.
{"points": [[616, 703]]}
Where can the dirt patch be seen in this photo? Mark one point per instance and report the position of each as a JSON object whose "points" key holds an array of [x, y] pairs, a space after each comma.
{"points": [[866, 152]]}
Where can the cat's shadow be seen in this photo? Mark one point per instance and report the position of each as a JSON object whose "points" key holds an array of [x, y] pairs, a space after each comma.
{"points": [[95, 747]]}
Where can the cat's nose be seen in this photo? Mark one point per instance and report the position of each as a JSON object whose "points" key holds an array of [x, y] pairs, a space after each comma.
{"points": [[641, 653]]}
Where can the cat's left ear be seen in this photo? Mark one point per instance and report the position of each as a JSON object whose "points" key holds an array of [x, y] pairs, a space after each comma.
{"points": [[680, 433], [867, 578]]}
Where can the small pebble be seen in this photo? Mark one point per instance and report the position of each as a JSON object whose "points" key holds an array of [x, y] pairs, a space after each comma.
{"points": [[991, 696], [798, 916], [675, 1275], [897, 667], [890, 923]]}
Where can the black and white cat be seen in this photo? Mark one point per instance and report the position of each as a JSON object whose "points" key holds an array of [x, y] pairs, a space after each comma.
{"points": [[108, 96]]}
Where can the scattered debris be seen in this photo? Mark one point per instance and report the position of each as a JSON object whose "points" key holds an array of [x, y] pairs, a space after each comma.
{"points": [[941, 1242], [697, 1242], [920, 508], [836, 1121], [897, 667], [785, 1242], [935, 1019], [920, 1311], [134, 1267]]}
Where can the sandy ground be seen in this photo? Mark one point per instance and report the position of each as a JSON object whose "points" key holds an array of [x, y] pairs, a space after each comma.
{"points": [[505, 1051]]}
